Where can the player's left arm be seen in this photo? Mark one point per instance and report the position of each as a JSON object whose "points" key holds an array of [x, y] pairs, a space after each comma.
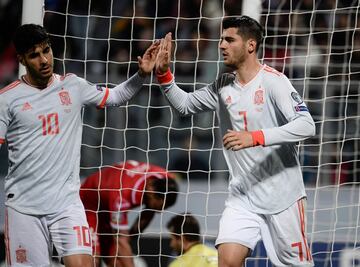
{"points": [[128, 89], [299, 124], [142, 221]]}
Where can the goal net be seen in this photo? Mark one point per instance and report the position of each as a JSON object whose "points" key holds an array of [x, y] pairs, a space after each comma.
{"points": [[315, 43]]}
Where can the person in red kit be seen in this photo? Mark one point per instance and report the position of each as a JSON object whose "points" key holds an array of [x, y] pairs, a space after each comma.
{"points": [[109, 194]]}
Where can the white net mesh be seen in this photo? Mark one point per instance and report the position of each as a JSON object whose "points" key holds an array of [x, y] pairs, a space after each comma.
{"points": [[315, 43]]}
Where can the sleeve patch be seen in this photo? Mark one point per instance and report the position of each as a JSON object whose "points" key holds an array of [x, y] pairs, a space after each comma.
{"points": [[301, 108], [100, 88], [296, 97]]}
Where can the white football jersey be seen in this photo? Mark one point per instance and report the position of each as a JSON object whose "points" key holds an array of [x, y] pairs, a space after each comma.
{"points": [[266, 179], [43, 130]]}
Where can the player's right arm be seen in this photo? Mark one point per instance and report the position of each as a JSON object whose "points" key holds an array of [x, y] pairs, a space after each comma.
{"points": [[185, 103], [4, 119]]}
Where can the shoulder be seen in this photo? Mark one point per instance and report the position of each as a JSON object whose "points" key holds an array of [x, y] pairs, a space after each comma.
{"points": [[274, 79], [66, 76], [73, 81], [271, 75], [69, 78], [271, 71], [14, 85], [208, 251]]}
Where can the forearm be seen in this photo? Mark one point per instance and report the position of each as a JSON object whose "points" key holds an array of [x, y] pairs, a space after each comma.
{"points": [[295, 131], [189, 103], [124, 253], [125, 91]]}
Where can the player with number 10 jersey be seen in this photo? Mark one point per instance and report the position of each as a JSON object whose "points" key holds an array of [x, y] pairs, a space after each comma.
{"points": [[40, 120]]}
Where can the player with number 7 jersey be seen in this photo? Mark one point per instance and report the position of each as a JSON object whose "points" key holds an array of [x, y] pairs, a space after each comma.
{"points": [[261, 118], [40, 120]]}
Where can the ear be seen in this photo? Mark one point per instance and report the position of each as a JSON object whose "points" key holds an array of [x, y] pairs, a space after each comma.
{"points": [[251, 46], [20, 58]]}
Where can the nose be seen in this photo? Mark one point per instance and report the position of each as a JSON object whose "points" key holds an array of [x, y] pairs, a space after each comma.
{"points": [[43, 58], [221, 45]]}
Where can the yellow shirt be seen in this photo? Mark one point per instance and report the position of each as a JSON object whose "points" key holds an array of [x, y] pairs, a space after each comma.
{"points": [[197, 256]]}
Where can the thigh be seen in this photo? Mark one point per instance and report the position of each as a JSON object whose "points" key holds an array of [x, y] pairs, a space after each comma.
{"points": [[232, 254], [69, 231], [238, 235], [27, 240], [284, 236], [239, 226]]}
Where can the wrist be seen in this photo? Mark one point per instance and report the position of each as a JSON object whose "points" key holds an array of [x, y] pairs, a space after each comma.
{"points": [[258, 138], [164, 78], [141, 73]]}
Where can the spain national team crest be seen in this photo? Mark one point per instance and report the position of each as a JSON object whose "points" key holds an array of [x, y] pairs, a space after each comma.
{"points": [[21, 255], [259, 97], [65, 98]]}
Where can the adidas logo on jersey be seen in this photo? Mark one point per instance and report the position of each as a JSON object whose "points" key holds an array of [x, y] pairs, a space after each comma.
{"points": [[26, 107]]}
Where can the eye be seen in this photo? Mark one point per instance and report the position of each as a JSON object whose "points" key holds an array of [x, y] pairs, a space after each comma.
{"points": [[33, 55], [47, 49]]}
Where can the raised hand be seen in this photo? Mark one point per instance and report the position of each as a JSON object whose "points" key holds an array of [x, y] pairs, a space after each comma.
{"points": [[164, 55], [147, 61], [236, 140]]}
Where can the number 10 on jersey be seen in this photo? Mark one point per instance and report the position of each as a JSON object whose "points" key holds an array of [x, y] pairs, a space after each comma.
{"points": [[50, 123]]}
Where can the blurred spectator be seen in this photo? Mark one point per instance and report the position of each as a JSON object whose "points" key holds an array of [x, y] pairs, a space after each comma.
{"points": [[186, 242], [108, 196]]}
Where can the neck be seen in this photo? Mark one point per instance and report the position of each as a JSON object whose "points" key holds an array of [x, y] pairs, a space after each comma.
{"points": [[38, 83], [246, 72], [189, 245]]}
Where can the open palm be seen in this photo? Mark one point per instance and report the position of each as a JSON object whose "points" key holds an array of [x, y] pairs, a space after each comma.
{"points": [[164, 55], [148, 60]]}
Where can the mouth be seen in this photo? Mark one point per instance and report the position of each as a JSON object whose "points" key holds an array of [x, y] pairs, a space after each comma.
{"points": [[46, 69]]}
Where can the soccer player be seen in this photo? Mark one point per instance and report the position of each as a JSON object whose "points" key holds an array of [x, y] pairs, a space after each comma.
{"points": [[185, 240], [109, 194], [261, 118], [40, 119]]}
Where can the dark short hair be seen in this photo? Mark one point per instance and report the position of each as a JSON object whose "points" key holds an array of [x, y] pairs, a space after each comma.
{"points": [[247, 28], [29, 35], [186, 225], [166, 189]]}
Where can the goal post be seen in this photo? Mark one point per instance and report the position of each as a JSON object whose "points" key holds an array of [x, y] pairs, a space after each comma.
{"points": [[315, 43], [32, 12]]}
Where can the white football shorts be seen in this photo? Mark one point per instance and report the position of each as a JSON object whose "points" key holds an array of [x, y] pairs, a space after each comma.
{"points": [[29, 239], [283, 234]]}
